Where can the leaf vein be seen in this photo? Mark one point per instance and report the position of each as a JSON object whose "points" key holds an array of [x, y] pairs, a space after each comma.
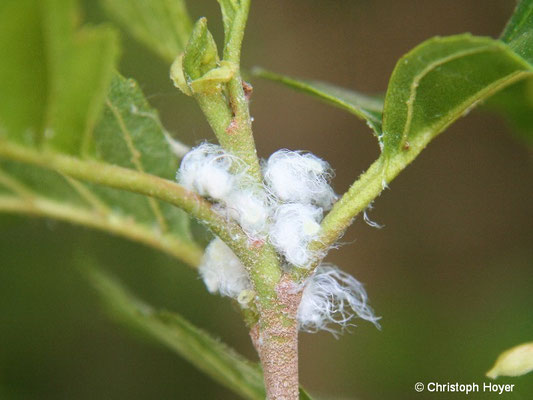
{"points": [[136, 160]]}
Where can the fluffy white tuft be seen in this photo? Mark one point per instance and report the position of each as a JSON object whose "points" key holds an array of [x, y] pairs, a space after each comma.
{"points": [[222, 272], [206, 171], [333, 297], [297, 177], [294, 227], [211, 172], [250, 210]]}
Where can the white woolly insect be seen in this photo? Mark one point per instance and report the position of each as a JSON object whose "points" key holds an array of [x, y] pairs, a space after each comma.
{"points": [[222, 272], [210, 171], [298, 177], [333, 297], [250, 209], [206, 170], [294, 227]]}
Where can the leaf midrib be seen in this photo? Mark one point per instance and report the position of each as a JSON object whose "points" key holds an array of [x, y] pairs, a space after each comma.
{"points": [[430, 67]]}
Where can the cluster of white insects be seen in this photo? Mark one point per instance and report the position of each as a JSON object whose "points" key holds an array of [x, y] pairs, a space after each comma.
{"points": [[286, 211]]}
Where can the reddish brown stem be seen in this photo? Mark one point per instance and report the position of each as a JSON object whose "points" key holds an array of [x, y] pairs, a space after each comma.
{"points": [[275, 338]]}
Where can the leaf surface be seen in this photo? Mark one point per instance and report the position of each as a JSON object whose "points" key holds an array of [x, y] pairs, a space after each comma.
{"points": [[163, 26], [518, 33], [433, 85], [80, 64]]}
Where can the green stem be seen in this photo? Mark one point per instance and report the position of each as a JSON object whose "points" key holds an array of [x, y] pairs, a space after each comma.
{"points": [[262, 262], [363, 192], [137, 182], [218, 113], [230, 119], [356, 199], [239, 136]]}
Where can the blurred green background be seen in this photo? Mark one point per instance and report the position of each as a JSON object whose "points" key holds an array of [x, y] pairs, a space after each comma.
{"points": [[451, 274]]}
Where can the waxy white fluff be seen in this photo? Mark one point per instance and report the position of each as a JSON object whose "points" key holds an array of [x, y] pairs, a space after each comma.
{"points": [[296, 177], [294, 226], [222, 272], [251, 210], [211, 172], [331, 299], [206, 171]]}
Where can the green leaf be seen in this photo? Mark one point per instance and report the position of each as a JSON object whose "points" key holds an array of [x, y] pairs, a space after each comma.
{"points": [[55, 84], [130, 135], [80, 67], [304, 395], [518, 33], [21, 70], [516, 361], [163, 26], [438, 82], [201, 55], [206, 353], [79, 89], [368, 108], [515, 103], [229, 9]]}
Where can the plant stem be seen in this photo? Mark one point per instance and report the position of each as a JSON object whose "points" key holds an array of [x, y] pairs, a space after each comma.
{"points": [[363, 191], [275, 338], [239, 134]]}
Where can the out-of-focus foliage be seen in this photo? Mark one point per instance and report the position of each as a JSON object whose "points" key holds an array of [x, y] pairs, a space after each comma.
{"points": [[61, 95], [163, 25], [516, 102], [513, 362], [206, 353]]}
